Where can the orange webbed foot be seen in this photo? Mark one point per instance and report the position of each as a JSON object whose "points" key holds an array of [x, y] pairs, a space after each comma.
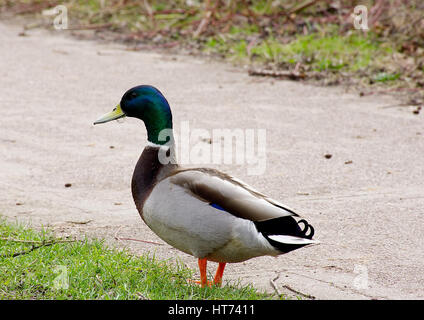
{"points": [[217, 281], [208, 283]]}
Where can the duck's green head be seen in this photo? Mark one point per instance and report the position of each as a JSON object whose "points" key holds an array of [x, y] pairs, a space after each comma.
{"points": [[145, 103]]}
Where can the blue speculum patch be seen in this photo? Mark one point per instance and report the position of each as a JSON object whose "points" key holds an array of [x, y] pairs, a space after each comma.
{"points": [[217, 206]]}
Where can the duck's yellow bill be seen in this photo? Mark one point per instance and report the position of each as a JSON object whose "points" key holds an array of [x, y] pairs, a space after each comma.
{"points": [[113, 115]]}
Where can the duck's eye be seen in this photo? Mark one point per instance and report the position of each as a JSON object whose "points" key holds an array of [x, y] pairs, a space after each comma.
{"points": [[132, 95]]}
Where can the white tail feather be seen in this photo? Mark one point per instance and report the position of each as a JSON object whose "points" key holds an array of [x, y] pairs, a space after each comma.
{"points": [[292, 239]]}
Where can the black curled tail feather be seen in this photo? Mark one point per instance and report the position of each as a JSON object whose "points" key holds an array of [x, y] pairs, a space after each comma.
{"points": [[285, 226], [307, 228]]}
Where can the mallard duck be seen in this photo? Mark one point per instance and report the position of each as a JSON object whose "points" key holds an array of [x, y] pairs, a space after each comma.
{"points": [[201, 211]]}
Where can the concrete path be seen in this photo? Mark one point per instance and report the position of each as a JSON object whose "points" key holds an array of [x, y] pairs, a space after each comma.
{"points": [[366, 202]]}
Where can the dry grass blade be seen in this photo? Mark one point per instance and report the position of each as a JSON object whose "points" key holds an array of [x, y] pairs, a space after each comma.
{"points": [[33, 246], [292, 75], [131, 239]]}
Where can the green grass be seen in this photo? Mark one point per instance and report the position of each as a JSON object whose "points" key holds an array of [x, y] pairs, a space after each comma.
{"points": [[385, 77], [333, 52], [90, 270], [316, 51]]}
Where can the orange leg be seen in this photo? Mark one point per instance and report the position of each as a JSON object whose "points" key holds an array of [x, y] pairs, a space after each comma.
{"points": [[203, 275], [219, 272]]}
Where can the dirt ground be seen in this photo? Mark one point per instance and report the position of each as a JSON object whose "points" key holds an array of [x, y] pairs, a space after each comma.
{"points": [[366, 202]]}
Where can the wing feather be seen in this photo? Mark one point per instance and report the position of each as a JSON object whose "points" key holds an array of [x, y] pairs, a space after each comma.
{"points": [[231, 194]]}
